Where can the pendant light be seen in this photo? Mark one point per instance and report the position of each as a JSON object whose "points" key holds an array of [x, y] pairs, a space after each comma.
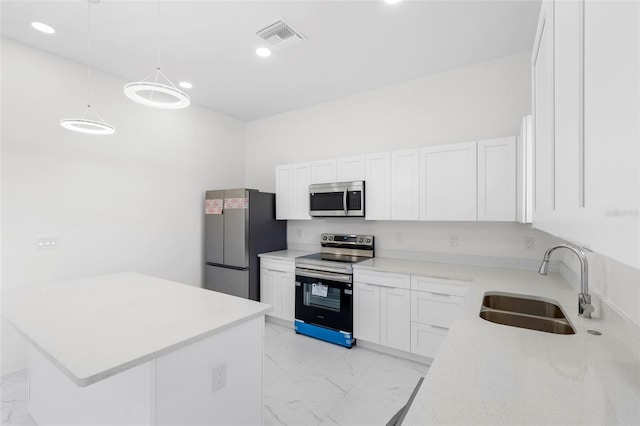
{"points": [[156, 90], [90, 123]]}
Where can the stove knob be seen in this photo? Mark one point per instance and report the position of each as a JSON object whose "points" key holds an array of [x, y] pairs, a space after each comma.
{"points": [[330, 237], [368, 240], [360, 240], [324, 238]]}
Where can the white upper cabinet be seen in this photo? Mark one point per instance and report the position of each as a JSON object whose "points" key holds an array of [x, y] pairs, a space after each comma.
{"points": [[497, 179], [405, 184], [323, 171], [378, 186], [586, 63], [543, 117], [351, 168], [292, 191], [611, 223], [284, 189], [448, 182], [524, 170]]}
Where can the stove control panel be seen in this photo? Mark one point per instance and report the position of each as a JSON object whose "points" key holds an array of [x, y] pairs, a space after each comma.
{"points": [[346, 240]]}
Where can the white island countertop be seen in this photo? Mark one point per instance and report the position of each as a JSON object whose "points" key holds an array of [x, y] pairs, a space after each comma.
{"points": [[97, 327], [492, 374]]}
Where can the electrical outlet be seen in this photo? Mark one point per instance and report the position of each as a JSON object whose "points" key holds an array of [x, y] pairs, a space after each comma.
{"points": [[46, 243], [529, 244], [398, 237], [219, 376], [453, 240]]}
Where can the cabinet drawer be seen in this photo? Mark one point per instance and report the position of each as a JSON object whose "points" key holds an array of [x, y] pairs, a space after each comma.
{"points": [[385, 279], [439, 285], [277, 265], [435, 308], [426, 339]]}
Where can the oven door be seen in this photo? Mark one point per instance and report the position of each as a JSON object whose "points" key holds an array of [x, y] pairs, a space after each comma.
{"points": [[324, 299]]}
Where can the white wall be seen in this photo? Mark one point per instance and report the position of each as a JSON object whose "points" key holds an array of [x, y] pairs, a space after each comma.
{"points": [[476, 102], [127, 202]]}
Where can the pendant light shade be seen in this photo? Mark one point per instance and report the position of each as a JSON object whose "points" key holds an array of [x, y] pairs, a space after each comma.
{"points": [[159, 92], [85, 125]]}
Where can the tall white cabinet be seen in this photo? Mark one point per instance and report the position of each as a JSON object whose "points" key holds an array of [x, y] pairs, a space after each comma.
{"points": [[586, 122]]}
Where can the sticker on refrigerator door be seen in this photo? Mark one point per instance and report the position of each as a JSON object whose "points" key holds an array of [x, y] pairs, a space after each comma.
{"points": [[319, 290], [213, 206], [236, 203]]}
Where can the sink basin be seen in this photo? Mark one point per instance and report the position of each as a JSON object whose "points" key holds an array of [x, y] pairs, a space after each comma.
{"points": [[520, 310]]}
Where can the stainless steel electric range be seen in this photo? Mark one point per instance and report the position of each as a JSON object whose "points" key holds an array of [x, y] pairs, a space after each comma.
{"points": [[324, 287]]}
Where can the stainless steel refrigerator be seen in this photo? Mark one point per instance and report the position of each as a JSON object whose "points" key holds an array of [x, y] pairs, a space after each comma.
{"points": [[239, 224]]}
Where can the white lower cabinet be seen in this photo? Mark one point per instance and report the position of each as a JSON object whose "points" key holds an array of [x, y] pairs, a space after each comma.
{"points": [[426, 339], [382, 309], [411, 313], [435, 304], [278, 287]]}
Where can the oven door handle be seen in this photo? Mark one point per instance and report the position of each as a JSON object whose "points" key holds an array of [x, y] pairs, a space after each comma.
{"points": [[344, 202], [322, 275]]}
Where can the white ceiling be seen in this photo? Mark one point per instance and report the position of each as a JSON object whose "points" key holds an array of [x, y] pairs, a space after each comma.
{"points": [[351, 46]]}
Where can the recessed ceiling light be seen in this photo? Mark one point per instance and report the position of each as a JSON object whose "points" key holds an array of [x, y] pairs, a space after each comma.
{"points": [[392, 1], [185, 85], [44, 28], [263, 52]]}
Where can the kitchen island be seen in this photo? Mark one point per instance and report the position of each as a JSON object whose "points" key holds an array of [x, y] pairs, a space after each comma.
{"points": [[127, 349]]}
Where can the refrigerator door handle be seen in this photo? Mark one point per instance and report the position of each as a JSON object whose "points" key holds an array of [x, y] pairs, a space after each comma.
{"points": [[220, 265]]}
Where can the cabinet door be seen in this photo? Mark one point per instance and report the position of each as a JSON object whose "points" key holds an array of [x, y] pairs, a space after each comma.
{"points": [[612, 129], [426, 339], [300, 193], [287, 286], [497, 179], [395, 320], [323, 171], [448, 182], [543, 118], [351, 168], [435, 308], [270, 289], [366, 312], [284, 188], [378, 186], [405, 181], [524, 168]]}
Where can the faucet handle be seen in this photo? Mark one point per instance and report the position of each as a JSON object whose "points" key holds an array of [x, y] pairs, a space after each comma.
{"points": [[585, 308]]}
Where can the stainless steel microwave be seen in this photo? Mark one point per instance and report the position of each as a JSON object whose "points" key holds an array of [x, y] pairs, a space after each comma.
{"points": [[337, 199]]}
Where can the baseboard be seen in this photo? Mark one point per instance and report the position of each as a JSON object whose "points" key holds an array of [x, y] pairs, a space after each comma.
{"points": [[393, 352]]}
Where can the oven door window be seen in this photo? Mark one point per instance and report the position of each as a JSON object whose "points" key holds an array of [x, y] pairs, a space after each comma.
{"points": [[318, 295]]}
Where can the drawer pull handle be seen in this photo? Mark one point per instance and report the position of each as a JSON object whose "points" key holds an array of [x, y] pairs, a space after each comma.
{"points": [[440, 294], [439, 327]]}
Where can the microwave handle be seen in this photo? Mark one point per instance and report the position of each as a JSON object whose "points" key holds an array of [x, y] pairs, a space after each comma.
{"points": [[344, 202]]}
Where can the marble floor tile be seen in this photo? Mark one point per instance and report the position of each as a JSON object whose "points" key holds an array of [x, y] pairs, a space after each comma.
{"points": [[307, 382]]}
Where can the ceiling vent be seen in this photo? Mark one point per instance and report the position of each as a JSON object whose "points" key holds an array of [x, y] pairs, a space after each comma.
{"points": [[280, 34]]}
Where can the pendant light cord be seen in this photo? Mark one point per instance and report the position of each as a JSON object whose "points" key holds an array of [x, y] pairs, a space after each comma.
{"points": [[89, 54]]}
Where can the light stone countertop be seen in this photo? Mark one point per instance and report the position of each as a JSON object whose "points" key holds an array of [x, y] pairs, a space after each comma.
{"points": [[285, 254], [97, 327], [488, 373]]}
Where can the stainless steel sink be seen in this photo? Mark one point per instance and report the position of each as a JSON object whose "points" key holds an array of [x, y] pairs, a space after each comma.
{"points": [[524, 311]]}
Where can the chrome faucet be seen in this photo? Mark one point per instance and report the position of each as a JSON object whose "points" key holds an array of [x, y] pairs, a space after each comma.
{"points": [[584, 298]]}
